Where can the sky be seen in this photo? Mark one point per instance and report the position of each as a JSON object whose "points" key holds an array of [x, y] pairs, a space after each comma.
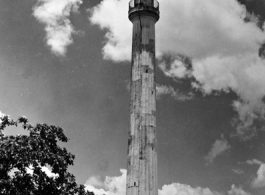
{"points": [[67, 63]]}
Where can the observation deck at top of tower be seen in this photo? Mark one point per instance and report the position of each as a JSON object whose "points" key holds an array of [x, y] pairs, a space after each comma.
{"points": [[146, 7]]}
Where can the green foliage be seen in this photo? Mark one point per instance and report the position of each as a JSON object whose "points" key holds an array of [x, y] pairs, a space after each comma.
{"points": [[38, 149]]}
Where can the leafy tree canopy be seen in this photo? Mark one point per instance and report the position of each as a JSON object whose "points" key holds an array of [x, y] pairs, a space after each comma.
{"points": [[19, 154]]}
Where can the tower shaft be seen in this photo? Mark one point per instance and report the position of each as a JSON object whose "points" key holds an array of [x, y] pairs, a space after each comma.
{"points": [[142, 155]]}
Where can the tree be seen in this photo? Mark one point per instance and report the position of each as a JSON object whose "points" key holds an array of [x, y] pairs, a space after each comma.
{"points": [[19, 154]]}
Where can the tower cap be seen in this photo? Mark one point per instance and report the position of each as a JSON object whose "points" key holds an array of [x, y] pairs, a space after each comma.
{"points": [[151, 3], [148, 7]]}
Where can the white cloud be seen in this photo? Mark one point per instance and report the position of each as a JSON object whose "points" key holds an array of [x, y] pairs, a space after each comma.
{"points": [[254, 162], [259, 180], [196, 29], [218, 148], [178, 68], [117, 186], [182, 189], [243, 74], [46, 170], [237, 191], [223, 47], [168, 90], [113, 15], [55, 15], [109, 186], [95, 181], [238, 171], [205, 28]]}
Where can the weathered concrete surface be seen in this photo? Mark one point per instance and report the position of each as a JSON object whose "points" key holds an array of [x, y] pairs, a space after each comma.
{"points": [[142, 156], [147, 2]]}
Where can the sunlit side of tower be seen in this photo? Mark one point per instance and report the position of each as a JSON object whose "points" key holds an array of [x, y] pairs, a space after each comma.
{"points": [[142, 155]]}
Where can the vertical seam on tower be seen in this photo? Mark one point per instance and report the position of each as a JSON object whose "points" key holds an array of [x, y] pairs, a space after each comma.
{"points": [[140, 119], [140, 23]]}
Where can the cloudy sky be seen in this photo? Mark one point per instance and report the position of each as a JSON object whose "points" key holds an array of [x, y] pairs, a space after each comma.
{"points": [[67, 63]]}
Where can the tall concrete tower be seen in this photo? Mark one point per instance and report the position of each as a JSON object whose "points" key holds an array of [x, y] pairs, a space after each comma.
{"points": [[142, 156]]}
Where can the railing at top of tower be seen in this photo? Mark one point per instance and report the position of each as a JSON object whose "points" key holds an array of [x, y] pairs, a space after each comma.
{"points": [[135, 3]]}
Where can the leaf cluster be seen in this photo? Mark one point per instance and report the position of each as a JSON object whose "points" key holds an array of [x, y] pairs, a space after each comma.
{"points": [[36, 150]]}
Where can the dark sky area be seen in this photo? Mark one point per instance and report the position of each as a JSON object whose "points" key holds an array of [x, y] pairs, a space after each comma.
{"points": [[88, 97]]}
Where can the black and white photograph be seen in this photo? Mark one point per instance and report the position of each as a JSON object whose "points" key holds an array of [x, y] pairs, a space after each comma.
{"points": [[132, 97]]}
